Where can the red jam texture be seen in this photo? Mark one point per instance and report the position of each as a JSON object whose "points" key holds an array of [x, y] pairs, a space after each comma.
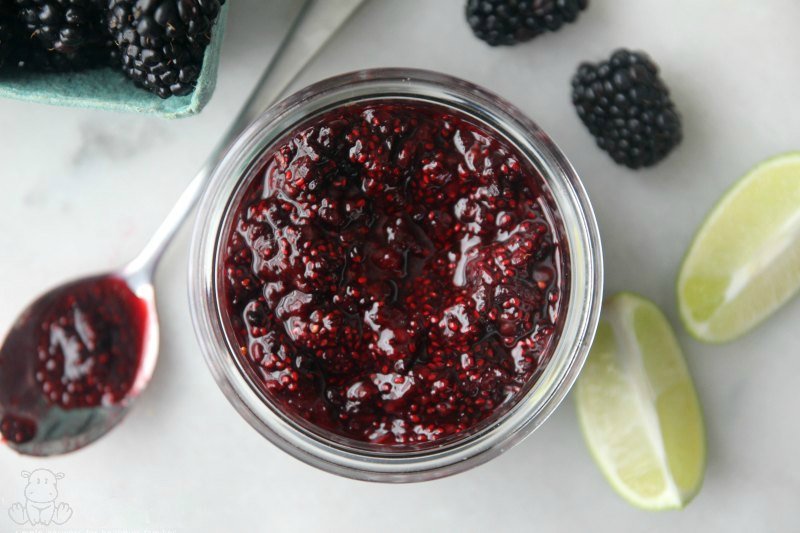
{"points": [[393, 274], [80, 346]]}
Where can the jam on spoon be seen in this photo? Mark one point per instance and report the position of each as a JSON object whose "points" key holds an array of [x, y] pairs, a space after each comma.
{"points": [[393, 273], [77, 348]]}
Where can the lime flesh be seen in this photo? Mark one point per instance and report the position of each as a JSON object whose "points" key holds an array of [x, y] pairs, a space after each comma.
{"points": [[638, 407], [744, 262]]}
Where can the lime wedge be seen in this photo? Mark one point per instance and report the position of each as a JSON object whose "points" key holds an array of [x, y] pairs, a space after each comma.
{"points": [[744, 262], [638, 408]]}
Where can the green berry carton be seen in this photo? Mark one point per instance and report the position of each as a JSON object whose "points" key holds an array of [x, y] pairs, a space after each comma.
{"points": [[111, 90]]}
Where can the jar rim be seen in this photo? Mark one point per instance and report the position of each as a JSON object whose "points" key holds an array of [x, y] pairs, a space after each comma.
{"points": [[584, 275]]}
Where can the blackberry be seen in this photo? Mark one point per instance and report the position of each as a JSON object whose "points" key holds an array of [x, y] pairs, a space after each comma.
{"points": [[508, 22], [62, 34], [627, 108], [161, 42]]}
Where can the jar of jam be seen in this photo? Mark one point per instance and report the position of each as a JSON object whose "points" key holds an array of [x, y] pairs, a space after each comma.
{"points": [[395, 275]]}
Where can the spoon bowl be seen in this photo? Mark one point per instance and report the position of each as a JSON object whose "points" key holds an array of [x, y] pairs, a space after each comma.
{"points": [[75, 360]]}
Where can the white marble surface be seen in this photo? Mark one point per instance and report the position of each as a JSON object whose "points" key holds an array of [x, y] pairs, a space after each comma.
{"points": [[81, 191]]}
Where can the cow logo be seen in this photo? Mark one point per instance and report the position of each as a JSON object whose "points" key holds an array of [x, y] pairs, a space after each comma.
{"points": [[41, 504]]}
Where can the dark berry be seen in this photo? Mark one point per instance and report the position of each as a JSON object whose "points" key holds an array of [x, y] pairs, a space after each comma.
{"points": [[62, 35], [627, 108], [161, 43], [508, 22]]}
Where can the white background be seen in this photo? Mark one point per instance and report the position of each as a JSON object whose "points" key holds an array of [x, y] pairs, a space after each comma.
{"points": [[81, 191]]}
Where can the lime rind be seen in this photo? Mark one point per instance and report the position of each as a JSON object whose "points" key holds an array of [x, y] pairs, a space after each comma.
{"points": [[618, 399], [749, 277]]}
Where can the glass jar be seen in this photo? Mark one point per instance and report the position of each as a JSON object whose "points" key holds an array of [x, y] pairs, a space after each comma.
{"points": [[583, 279]]}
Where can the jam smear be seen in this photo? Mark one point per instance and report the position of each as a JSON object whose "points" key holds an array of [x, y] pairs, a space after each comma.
{"points": [[393, 274], [79, 346]]}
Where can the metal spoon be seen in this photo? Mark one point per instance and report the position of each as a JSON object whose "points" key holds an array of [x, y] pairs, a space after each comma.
{"points": [[31, 423]]}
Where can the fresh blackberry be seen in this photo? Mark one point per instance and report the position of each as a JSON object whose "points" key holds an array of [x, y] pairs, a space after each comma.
{"points": [[62, 34], [161, 42], [627, 108], [508, 22]]}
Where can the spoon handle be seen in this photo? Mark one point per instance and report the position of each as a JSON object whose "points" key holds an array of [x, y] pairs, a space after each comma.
{"points": [[316, 22]]}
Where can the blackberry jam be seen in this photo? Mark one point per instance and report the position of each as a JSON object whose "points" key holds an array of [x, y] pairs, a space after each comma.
{"points": [[395, 275], [78, 347]]}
